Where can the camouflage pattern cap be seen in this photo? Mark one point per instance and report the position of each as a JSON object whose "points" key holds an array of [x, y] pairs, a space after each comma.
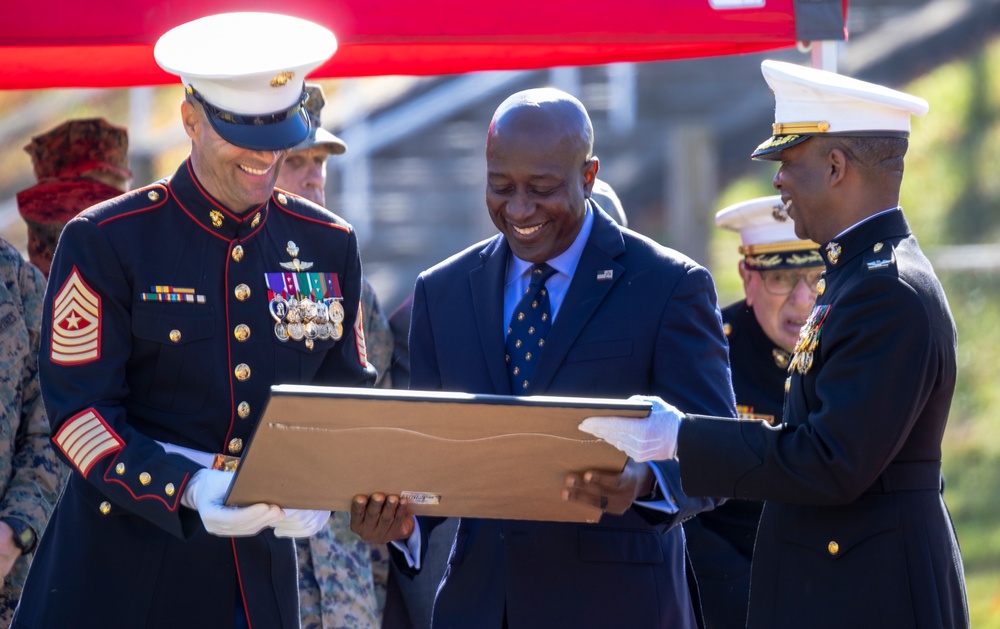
{"points": [[56, 201], [77, 147], [319, 136]]}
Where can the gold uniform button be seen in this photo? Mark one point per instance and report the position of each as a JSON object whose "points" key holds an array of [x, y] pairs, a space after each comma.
{"points": [[282, 199], [833, 548], [242, 332], [821, 285], [727, 328], [153, 195], [242, 372], [120, 469], [780, 358], [243, 410], [237, 253], [175, 336], [310, 343], [169, 489], [105, 507], [235, 445], [145, 478], [242, 292]]}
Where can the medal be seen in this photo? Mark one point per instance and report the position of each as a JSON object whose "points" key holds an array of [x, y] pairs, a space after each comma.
{"points": [[322, 313], [808, 343], [336, 311], [305, 306], [308, 309], [278, 307]]}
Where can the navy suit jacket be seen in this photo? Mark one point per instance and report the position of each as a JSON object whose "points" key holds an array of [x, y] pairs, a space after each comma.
{"points": [[638, 318]]}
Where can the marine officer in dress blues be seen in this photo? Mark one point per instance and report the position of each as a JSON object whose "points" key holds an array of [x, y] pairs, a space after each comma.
{"points": [[854, 531], [170, 312], [781, 274]]}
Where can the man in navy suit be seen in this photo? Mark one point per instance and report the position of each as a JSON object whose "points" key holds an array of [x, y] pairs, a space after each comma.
{"points": [[628, 317]]}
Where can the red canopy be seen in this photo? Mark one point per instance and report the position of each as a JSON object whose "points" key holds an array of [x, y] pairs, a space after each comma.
{"points": [[69, 43]]}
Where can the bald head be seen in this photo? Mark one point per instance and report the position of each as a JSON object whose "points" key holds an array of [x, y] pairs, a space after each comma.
{"points": [[545, 110], [540, 170]]}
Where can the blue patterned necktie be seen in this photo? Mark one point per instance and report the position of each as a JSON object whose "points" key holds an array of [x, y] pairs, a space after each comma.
{"points": [[528, 327]]}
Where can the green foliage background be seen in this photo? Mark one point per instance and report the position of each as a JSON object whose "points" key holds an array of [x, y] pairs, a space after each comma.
{"points": [[951, 196]]}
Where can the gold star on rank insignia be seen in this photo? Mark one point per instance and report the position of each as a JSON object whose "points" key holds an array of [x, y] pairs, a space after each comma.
{"points": [[73, 321]]}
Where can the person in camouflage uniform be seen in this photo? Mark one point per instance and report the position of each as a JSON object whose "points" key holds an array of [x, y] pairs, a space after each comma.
{"points": [[31, 472], [342, 578], [78, 164]]}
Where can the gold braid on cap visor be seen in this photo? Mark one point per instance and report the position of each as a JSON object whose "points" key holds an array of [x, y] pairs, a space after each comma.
{"points": [[801, 128], [786, 254]]}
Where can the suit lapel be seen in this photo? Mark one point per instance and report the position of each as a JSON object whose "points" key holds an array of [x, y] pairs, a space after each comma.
{"points": [[595, 275], [486, 282]]}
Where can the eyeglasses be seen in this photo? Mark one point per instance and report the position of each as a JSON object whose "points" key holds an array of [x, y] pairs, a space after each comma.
{"points": [[784, 281]]}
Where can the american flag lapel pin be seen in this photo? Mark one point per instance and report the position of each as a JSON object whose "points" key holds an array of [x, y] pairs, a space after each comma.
{"points": [[606, 274]]}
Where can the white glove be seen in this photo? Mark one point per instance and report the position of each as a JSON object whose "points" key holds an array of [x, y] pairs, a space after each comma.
{"points": [[301, 523], [205, 493], [652, 438]]}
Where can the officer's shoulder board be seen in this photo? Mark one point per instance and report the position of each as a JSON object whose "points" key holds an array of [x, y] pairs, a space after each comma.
{"points": [[880, 258], [307, 210]]}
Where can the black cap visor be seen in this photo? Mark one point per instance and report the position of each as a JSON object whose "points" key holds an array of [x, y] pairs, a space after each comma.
{"points": [[770, 149], [265, 132]]}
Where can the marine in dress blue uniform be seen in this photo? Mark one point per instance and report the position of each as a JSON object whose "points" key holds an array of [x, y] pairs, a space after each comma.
{"points": [[161, 339], [854, 530], [780, 273]]}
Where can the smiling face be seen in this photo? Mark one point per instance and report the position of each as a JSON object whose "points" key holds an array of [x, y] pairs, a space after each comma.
{"points": [[304, 174], [803, 180], [539, 174], [238, 178]]}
